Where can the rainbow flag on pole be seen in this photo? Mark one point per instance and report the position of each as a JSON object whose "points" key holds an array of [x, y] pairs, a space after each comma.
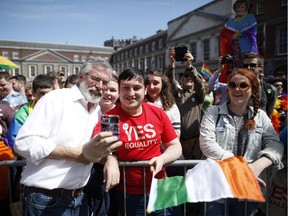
{"points": [[205, 70], [208, 181]]}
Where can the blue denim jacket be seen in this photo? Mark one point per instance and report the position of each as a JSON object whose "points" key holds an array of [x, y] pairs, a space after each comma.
{"points": [[216, 141]]}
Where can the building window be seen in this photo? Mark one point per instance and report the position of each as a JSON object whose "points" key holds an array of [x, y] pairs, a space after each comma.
{"points": [[206, 46], [141, 50], [83, 58], [159, 61], [32, 70], [48, 69], [76, 70], [282, 40], [260, 7], [142, 66], [15, 55], [130, 53], [147, 48], [76, 58], [284, 2], [5, 54], [63, 69], [148, 62], [161, 43], [126, 54], [136, 64], [135, 52], [16, 71], [153, 46], [193, 49]]}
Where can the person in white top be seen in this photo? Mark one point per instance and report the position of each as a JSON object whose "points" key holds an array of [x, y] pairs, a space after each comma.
{"points": [[56, 142], [159, 93], [96, 189]]}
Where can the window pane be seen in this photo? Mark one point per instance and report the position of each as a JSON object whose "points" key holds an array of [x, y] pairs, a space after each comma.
{"points": [[282, 38], [206, 44], [5, 54], [15, 55], [260, 7], [193, 50]]}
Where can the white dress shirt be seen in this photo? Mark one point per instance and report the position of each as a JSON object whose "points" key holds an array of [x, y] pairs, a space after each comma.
{"points": [[59, 118]]}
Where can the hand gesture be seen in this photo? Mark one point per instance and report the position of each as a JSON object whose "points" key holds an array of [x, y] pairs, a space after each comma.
{"points": [[172, 57], [189, 59], [156, 164], [220, 66], [100, 146], [111, 172]]}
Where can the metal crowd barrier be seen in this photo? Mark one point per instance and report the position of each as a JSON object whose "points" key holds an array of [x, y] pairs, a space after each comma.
{"points": [[179, 163]]}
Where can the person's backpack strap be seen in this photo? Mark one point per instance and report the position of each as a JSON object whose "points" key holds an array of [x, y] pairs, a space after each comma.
{"points": [[270, 93], [218, 116]]}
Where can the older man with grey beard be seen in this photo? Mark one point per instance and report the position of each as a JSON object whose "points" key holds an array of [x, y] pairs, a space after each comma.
{"points": [[56, 142]]}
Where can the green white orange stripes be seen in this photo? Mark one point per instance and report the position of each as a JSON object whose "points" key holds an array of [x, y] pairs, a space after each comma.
{"points": [[208, 181]]}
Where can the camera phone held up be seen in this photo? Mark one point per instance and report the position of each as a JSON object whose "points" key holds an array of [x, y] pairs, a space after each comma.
{"points": [[180, 53], [227, 59]]}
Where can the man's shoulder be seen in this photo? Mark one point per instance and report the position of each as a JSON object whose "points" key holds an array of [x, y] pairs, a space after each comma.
{"points": [[269, 89]]}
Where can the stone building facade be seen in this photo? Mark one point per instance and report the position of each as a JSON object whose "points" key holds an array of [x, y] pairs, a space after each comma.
{"points": [[143, 54], [41, 58]]}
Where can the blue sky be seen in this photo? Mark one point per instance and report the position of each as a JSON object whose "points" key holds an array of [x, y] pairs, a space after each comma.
{"points": [[88, 22]]}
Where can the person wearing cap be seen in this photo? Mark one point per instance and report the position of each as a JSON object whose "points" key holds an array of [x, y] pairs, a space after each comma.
{"points": [[189, 99]]}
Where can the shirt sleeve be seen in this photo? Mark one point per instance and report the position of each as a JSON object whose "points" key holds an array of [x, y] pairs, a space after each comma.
{"points": [[168, 132], [208, 141], [272, 147], [32, 141]]}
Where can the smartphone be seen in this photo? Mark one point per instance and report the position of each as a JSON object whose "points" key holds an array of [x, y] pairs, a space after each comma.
{"points": [[180, 52], [110, 123]]}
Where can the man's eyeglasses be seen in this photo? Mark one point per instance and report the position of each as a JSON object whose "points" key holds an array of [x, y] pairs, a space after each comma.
{"points": [[278, 85], [97, 79], [252, 65], [242, 86], [186, 75]]}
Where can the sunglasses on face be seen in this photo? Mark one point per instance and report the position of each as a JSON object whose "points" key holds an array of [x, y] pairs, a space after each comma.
{"points": [[186, 75], [252, 65], [278, 85], [242, 86]]}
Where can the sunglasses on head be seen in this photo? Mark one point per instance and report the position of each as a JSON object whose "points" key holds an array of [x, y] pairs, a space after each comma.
{"points": [[241, 86], [252, 65]]}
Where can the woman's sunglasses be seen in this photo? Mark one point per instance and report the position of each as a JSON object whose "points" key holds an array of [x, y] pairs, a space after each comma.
{"points": [[242, 86]]}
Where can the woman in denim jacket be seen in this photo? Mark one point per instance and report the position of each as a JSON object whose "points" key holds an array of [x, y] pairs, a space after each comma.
{"points": [[237, 129]]}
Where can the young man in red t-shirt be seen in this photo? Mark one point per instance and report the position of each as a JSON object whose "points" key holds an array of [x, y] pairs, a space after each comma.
{"points": [[143, 128]]}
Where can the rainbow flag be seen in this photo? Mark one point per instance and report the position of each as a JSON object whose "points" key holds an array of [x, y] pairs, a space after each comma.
{"points": [[205, 70]]}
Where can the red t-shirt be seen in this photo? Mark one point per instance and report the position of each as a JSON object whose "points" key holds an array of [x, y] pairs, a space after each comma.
{"points": [[142, 137]]}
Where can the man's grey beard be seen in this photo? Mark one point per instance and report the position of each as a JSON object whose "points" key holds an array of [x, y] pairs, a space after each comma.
{"points": [[85, 91]]}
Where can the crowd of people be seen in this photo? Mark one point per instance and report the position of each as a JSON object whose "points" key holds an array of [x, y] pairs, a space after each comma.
{"points": [[72, 166]]}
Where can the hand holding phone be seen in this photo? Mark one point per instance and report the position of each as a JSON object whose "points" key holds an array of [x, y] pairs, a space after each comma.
{"points": [[110, 123], [180, 53]]}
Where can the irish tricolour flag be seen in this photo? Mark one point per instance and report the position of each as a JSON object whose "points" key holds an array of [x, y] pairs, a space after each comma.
{"points": [[208, 181]]}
